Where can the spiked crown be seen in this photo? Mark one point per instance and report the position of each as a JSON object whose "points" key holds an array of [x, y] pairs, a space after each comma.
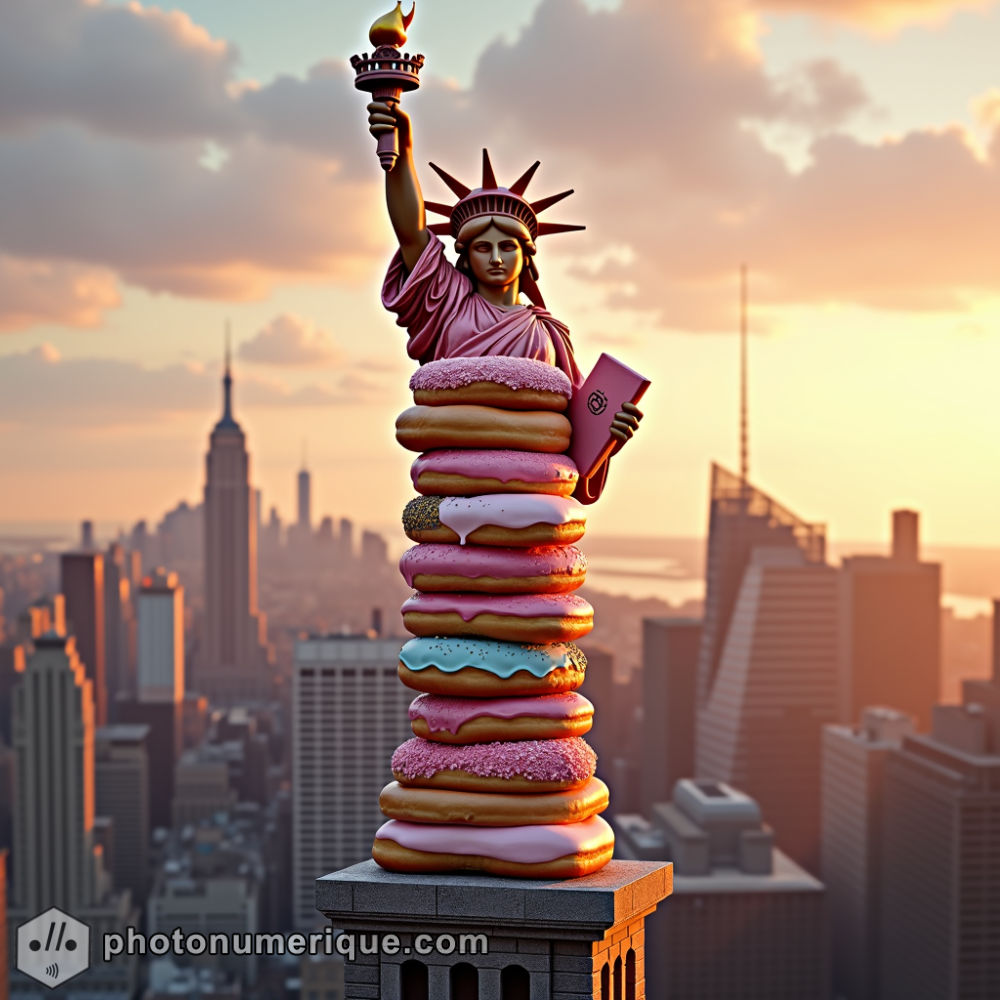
{"points": [[491, 199]]}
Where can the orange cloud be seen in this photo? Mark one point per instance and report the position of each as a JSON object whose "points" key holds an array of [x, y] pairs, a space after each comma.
{"points": [[879, 14], [39, 291], [292, 341]]}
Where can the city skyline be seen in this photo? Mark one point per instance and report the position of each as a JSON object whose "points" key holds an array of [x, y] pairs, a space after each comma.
{"points": [[905, 357]]}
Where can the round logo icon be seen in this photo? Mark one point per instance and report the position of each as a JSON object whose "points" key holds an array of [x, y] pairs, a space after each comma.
{"points": [[597, 402]]}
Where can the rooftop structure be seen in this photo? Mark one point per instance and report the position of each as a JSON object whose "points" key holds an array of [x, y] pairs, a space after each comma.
{"points": [[744, 920]]}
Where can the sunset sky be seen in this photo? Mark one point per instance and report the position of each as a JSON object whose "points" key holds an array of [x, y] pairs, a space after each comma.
{"points": [[164, 169]]}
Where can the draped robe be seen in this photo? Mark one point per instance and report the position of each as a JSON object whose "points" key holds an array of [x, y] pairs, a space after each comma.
{"points": [[446, 318]]}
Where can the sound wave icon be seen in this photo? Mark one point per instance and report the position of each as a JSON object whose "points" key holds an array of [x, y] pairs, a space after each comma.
{"points": [[52, 971]]}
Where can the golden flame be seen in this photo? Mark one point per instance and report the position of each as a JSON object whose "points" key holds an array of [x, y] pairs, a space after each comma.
{"points": [[390, 29]]}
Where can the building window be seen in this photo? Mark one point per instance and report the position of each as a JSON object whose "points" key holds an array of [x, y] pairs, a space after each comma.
{"points": [[413, 981], [464, 982], [606, 982], [515, 983], [618, 978], [630, 975]]}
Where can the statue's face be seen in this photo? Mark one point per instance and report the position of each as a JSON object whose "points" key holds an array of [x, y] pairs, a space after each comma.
{"points": [[496, 258]]}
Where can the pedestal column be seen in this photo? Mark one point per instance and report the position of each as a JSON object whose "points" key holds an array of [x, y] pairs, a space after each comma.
{"points": [[567, 940]]}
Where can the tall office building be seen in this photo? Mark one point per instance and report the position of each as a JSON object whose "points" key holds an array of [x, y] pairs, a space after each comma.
{"points": [[53, 727], [116, 615], [158, 701], [346, 539], [349, 713], [853, 791], [669, 682], [767, 667], [941, 881], [235, 658], [890, 649], [305, 499], [744, 921], [121, 792], [160, 666], [4, 958], [82, 586]]}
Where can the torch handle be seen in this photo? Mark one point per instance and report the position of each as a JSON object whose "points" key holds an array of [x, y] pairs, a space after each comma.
{"points": [[388, 149], [388, 142]]}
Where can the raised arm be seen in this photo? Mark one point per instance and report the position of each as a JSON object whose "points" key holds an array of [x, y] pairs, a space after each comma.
{"points": [[402, 188]]}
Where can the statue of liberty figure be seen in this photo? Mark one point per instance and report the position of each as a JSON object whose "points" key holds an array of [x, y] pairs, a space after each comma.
{"points": [[473, 309]]}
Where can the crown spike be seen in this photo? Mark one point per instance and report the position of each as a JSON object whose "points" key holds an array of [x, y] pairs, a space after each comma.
{"points": [[521, 184], [440, 228], [489, 178], [439, 209], [457, 187], [551, 228], [539, 206]]}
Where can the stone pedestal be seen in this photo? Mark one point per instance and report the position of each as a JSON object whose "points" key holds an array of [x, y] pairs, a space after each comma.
{"points": [[495, 938]]}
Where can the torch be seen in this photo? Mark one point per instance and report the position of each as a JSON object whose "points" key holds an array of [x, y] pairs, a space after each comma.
{"points": [[387, 73]]}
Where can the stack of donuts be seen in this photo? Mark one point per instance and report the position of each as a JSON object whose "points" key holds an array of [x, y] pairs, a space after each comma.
{"points": [[497, 777]]}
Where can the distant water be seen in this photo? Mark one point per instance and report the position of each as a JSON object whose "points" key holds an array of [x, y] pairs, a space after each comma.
{"points": [[671, 569]]}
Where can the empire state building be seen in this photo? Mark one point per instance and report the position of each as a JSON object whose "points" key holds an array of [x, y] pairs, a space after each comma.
{"points": [[235, 660]]}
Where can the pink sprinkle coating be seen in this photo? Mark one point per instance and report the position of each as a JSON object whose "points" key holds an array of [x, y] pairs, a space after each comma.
{"points": [[537, 760], [515, 373]]}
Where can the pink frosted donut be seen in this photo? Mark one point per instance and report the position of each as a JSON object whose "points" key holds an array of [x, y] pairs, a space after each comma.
{"points": [[530, 766], [508, 383], [531, 618], [489, 720], [470, 472], [549, 569], [557, 851]]}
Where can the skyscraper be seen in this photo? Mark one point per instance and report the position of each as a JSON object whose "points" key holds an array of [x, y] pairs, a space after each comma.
{"points": [[116, 615], [853, 792], [767, 667], [305, 499], [121, 792], [941, 878], [82, 585], [235, 659], [158, 702], [349, 713], [890, 647], [669, 670], [57, 863]]}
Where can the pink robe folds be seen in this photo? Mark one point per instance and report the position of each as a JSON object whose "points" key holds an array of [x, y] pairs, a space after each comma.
{"points": [[447, 318]]}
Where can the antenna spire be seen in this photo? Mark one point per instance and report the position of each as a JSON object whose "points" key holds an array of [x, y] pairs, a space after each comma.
{"points": [[744, 416], [227, 381]]}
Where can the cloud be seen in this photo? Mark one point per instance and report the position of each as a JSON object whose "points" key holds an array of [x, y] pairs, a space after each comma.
{"points": [[39, 387], [667, 167], [875, 13], [102, 168], [106, 115], [123, 70], [292, 341], [40, 291]]}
